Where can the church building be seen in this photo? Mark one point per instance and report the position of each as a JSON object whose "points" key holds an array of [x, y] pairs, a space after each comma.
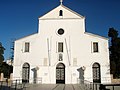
{"points": [[62, 51]]}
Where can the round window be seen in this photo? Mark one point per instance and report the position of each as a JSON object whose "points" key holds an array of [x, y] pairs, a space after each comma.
{"points": [[60, 31]]}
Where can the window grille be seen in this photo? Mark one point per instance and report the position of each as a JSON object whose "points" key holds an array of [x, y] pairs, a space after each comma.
{"points": [[60, 47], [27, 46], [96, 73], [95, 46]]}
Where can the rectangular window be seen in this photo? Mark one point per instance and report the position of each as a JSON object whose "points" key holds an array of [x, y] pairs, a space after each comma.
{"points": [[95, 46], [60, 47], [60, 13], [27, 46]]}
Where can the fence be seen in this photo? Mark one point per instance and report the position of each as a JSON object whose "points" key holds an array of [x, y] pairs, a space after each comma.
{"points": [[111, 86], [16, 84], [11, 85], [86, 85]]}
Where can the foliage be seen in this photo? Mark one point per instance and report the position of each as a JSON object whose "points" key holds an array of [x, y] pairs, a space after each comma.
{"points": [[1, 53], [112, 33], [114, 52], [4, 67]]}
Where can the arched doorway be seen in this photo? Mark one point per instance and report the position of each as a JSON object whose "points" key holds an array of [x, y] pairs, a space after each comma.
{"points": [[60, 73], [96, 73], [25, 73]]}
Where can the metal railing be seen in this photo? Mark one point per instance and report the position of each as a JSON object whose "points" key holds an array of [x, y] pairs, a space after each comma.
{"points": [[83, 84], [110, 86], [18, 84], [12, 85], [87, 85]]}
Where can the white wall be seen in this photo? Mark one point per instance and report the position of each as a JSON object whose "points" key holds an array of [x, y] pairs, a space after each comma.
{"points": [[75, 41]]}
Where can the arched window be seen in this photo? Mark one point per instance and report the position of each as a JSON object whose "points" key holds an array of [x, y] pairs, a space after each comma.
{"points": [[25, 72], [96, 73], [60, 13]]}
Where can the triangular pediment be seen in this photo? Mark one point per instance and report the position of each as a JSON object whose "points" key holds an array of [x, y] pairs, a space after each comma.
{"points": [[67, 13]]}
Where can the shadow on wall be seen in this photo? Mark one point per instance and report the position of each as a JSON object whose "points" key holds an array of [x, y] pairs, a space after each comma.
{"points": [[81, 74]]}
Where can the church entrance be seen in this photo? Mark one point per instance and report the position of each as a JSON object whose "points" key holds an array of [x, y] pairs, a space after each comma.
{"points": [[25, 73], [60, 74]]}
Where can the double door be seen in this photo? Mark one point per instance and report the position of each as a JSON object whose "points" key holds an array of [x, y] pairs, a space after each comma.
{"points": [[60, 75]]}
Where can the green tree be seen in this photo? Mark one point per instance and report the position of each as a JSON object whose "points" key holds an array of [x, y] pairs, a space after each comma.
{"points": [[6, 69], [113, 33], [114, 52], [1, 56], [1, 53]]}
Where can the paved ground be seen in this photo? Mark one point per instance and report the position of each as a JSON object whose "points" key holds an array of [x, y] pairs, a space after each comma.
{"points": [[64, 87], [55, 87]]}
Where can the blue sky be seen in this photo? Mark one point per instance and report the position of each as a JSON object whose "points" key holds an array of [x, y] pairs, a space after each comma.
{"points": [[19, 18]]}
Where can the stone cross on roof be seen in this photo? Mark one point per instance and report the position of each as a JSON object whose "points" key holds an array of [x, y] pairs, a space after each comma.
{"points": [[61, 1]]}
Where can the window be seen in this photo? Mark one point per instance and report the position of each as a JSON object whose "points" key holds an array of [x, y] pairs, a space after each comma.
{"points": [[60, 13], [60, 47], [95, 46], [27, 46], [60, 57], [60, 31]]}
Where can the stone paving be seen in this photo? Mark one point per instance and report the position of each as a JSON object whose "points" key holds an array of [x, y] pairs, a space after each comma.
{"points": [[63, 87], [54, 87]]}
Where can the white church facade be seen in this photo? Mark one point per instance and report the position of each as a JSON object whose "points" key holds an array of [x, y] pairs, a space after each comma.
{"points": [[61, 51]]}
